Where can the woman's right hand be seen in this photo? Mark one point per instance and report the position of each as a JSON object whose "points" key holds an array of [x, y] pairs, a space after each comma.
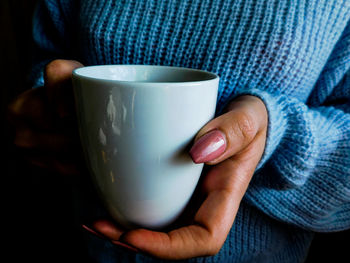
{"points": [[44, 122]]}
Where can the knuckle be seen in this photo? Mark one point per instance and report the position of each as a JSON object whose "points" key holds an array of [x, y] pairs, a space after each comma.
{"points": [[55, 66], [17, 107], [28, 108], [214, 243], [61, 66], [214, 249], [246, 126], [24, 139]]}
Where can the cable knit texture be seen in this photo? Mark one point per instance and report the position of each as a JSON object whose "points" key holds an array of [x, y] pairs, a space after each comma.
{"points": [[293, 54]]}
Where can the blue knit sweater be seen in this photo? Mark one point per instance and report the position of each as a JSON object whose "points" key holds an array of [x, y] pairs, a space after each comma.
{"points": [[293, 54]]}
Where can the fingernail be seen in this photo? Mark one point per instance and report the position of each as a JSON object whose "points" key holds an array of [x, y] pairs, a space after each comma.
{"points": [[92, 231], [123, 245], [208, 147], [115, 242]]}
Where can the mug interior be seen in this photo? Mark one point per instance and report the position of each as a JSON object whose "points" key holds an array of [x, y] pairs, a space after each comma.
{"points": [[144, 73]]}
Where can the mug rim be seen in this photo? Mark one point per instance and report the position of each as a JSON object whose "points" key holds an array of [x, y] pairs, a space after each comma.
{"points": [[79, 73]]}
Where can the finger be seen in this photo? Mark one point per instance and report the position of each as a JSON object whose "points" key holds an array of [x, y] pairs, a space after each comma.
{"points": [[186, 242], [56, 165], [158, 244], [203, 238], [27, 138], [31, 109], [225, 185], [212, 222], [57, 75], [107, 229], [235, 173], [231, 132]]}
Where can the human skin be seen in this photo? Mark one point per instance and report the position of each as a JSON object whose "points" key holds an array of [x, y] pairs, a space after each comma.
{"points": [[45, 129]]}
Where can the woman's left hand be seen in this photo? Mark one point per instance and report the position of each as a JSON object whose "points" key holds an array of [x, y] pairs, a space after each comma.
{"points": [[233, 144]]}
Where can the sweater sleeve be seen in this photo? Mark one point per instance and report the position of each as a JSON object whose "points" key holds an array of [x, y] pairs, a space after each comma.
{"points": [[53, 31], [304, 175]]}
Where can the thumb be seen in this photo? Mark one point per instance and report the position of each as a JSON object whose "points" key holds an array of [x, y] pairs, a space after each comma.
{"points": [[231, 132], [58, 84]]}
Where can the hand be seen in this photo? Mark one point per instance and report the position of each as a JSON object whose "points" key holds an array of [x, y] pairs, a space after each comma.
{"points": [[44, 120], [233, 144]]}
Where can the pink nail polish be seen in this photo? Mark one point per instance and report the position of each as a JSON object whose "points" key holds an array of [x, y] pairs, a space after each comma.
{"points": [[208, 147], [115, 242], [92, 231]]}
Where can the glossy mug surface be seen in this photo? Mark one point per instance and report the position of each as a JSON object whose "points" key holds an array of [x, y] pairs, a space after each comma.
{"points": [[136, 123]]}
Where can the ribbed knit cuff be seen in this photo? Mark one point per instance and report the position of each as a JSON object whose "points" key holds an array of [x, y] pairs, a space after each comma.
{"points": [[276, 121], [36, 76]]}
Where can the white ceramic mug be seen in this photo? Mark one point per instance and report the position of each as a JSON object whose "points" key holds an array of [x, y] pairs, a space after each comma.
{"points": [[136, 123]]}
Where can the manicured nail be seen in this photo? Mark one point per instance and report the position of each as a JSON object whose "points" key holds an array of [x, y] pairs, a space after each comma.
{"points": [[208, 147], [123, 245], [115, 242], [92, 231]]}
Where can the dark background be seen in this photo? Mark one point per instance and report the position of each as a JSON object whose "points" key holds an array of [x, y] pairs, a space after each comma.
{"points": [[38, 217]]}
